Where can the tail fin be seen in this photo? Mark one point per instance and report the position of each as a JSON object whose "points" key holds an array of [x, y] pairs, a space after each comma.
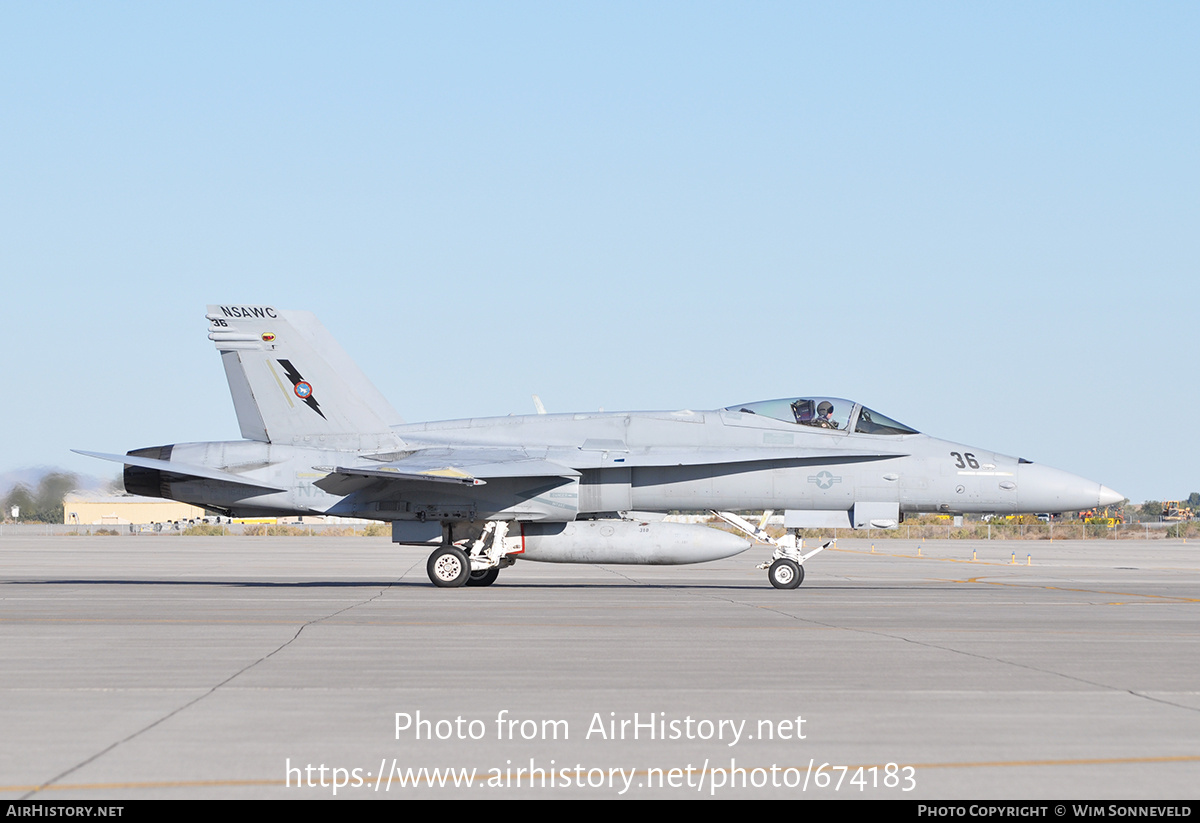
{"points": [[291, 381]]}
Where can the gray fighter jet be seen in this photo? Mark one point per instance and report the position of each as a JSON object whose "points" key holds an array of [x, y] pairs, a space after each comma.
{"points": [[566, 488]]}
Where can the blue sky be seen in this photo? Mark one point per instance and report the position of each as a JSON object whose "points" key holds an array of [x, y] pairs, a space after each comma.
{"points": [[980, 219]]}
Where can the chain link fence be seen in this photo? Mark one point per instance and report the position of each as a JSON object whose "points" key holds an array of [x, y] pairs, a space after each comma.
{"points": [[196, 529], [1069, 530]]}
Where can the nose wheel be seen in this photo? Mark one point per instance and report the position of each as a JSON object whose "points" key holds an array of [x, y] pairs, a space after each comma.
{"points": [[785, 569], [785, 574]]}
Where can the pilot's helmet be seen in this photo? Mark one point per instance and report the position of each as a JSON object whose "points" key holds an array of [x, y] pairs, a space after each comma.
{"points": [[825, 408]]}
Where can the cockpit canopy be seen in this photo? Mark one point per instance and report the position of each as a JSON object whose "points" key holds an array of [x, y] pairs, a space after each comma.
{"points": [[832, 413]]}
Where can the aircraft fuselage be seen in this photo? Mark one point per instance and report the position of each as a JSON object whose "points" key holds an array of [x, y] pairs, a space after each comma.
{"points": [[644, 461], [319, 438]]}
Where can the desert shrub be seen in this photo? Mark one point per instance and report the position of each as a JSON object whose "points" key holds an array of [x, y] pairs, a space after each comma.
{"points": [[205, 530]]}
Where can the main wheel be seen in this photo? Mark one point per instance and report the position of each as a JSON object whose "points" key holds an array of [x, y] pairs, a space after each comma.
{"points": [[448, 567], [785, 574], [483, 577]]}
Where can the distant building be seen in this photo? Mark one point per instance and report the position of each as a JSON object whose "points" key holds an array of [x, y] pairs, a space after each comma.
{"points": [[96, 509]]}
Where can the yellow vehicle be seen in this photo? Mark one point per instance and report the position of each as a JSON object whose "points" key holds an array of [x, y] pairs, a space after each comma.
{"points": [[1102, 517], [1174, 511]]}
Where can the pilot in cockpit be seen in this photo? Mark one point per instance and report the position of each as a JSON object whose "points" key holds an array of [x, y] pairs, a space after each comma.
{"points": [[825, 416]]}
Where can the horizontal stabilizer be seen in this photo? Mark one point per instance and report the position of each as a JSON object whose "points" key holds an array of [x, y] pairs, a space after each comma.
{"points": [[181, 469]]}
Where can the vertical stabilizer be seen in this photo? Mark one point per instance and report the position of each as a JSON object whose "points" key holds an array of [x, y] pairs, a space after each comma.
{"points": [[291, 381]]}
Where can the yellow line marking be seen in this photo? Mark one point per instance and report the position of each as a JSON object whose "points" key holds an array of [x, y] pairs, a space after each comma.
{"points": [[924, 557], [1166, 597], [147, 784], [1082, 761]]}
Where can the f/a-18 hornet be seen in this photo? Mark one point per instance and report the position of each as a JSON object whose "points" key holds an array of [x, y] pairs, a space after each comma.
{"points": [[565, 488]]}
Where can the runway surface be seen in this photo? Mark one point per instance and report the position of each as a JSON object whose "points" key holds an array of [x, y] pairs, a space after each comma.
{"points": [[177, 667]]}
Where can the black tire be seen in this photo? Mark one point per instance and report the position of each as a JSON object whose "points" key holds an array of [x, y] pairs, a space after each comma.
{"points": [[785, 574], [483, 577], [448, 567]]}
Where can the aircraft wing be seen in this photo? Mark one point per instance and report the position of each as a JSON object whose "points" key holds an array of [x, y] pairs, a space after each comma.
{"points": [[468, 467], [182, 469]]}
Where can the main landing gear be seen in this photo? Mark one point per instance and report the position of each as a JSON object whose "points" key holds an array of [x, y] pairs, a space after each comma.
{"points": [[470, 562], [483, 577], [448, 567]]}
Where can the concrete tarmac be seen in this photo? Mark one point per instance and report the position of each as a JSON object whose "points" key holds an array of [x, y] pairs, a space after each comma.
{"points": [[295, 667]]}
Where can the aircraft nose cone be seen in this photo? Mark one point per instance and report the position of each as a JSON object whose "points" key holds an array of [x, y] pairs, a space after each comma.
{"points": [[1108, 497], [1045, 489]]}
